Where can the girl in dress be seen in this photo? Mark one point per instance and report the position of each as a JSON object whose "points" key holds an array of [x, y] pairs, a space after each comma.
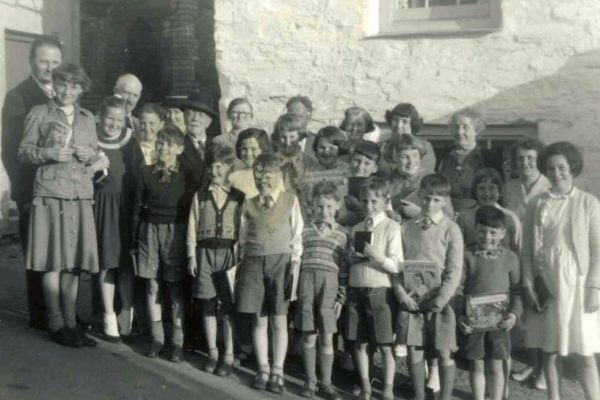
{"points": [[561, 252], [517, 193], [251, 143], [113, 207], [358, 125], [60, 137]]}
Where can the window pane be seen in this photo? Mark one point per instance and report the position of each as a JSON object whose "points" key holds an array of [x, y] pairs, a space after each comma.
{"points": [[435, 3], [473, 2]]}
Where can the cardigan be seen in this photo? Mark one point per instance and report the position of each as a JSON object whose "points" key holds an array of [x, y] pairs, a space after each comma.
{"points": [[585, 233]]}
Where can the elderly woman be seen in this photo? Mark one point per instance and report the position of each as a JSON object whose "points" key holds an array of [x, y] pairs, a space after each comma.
{"points": [[561, 256], [60, 137], [466, 157]]}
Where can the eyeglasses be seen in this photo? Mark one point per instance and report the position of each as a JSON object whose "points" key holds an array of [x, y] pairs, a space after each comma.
{"points": [[240, 114]]}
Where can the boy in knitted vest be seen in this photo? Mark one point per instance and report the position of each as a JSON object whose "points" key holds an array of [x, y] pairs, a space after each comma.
{"points": [[270, 245], [322, 288], [211, 236]]}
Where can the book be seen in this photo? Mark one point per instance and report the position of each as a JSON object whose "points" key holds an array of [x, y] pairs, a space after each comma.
{"points": [[484, 313], [361, 239], [542, 292], [226, 281], [422, 279]]}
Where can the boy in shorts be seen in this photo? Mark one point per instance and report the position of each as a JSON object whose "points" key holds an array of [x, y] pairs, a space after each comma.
{"points": [[161, 208], [490, 269], [270, 245], [322, 288]]}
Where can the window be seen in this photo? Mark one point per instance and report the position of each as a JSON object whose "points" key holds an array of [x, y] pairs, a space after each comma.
{"points": [[437, 17]]}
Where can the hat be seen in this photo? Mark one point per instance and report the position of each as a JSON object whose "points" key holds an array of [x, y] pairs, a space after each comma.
{"points": [[196, 101]]}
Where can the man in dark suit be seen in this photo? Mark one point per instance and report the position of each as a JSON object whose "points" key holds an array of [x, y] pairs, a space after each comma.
{"points": [[129, 88], [45, 55]]}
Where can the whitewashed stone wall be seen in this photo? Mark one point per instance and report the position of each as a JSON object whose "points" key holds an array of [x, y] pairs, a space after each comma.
{"points": [[543, 66]]}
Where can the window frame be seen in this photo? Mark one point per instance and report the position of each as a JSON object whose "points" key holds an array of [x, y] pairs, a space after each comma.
{"points": [[440, 20]]}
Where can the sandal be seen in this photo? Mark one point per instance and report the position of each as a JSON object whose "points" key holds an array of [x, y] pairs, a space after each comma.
{"points": [[363, 395], [260, 380], [276, 384], [308, 390]]}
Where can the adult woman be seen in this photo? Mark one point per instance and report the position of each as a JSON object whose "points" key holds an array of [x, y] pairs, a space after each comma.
{"points": [[60, 137], [561, 252], [239, 113]]}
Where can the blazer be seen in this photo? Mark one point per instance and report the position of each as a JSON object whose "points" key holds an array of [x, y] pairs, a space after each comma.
{"points": [[193, 162], [17, 104], [584, 223]]}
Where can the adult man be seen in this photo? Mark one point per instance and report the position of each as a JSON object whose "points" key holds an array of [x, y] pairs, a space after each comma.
{"points": [[45, 55], [129, 88]]}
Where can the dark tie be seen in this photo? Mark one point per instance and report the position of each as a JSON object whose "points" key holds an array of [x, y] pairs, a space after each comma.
{"points": [[426, 223]]}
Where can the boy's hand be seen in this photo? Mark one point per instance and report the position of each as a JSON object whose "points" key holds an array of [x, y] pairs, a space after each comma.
{"points": [[353, 257], [373, 254], [192, 266], [84, 153], [58, 154], [532, 297], [408, 302], [337, 308], [464, 326], [508, 322]]}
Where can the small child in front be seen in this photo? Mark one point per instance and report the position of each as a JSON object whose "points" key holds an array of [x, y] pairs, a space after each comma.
{"points": [[270, 245], [161, 209], [429, 328], [322, 288], [490, 269], [211, 236], [371, 304]]}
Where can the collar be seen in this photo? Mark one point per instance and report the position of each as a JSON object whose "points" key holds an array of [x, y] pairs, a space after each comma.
{"points": [[147, 145], [274, 195], [46, 87], [158, 168], [193, 139], [117, 144], [68, 110], [561, 196], [491, 254], [320, 224], [376, 219], [53, 106], [213, 188], [436, 218]]}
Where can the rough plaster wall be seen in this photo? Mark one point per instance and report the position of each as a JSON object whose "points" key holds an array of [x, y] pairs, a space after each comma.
{"points": [[542, 66]]}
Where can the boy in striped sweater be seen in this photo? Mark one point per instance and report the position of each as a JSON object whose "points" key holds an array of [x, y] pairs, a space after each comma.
{"points": [[322, 288]]}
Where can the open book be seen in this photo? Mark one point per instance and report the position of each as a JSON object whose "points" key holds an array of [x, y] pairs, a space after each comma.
{"points": [[484, 313]]}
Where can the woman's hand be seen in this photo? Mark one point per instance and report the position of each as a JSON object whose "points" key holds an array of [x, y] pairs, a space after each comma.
{"points": [[337, 308], [58, 154], [592, 299], [532, 297], [409, 303], [84, 154]]}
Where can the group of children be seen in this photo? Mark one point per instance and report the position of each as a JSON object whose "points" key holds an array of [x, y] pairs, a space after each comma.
{"points": [[254, 236]]}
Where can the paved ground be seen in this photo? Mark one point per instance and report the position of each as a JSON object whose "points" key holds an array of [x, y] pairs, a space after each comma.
{"points": [[31, 367]]}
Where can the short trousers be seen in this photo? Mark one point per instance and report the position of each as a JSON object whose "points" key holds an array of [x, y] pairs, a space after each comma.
{"points": [[491, 345], [317, 291], [370, 315], [263, 283], [208, 282], [162, 251]]}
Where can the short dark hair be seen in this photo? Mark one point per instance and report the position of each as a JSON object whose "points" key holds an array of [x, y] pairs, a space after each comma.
{"points": [[326, 189], [565, 149], [490, 216], [358, 112], [261, 136], [220, 153], [525, 144], [153, 108], [485, 174], [170, 134], [111, 102], [403, 142], [335, 136], [44, 41], [71, 73], [287, 123], [406, 110], [435, 184], [368, 149], [377, 185], [267, 161], [236, 102], [300, 99]]}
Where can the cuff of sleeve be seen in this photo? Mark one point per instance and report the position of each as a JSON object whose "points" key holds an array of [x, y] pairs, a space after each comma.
{"points": [[390, 265]]}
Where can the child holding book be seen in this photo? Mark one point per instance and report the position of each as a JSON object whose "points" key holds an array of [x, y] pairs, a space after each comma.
{"points": [[211, 236], [429, 328], [489, 269], [321, 288], [371, 305], [161, 209], [270, 245]]}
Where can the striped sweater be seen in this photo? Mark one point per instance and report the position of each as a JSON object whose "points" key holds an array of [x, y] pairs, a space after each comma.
{"points": [[325, 252]]}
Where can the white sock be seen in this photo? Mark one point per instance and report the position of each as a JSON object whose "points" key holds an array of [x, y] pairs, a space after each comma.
{"points": [[111, 327]]}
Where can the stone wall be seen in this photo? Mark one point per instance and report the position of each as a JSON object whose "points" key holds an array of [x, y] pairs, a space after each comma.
{"points": [[542, 67]]}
